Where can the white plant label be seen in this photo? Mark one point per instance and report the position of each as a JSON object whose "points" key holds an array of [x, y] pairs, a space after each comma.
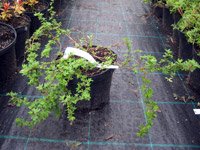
{"points": [[74, 51], [197, 111]]}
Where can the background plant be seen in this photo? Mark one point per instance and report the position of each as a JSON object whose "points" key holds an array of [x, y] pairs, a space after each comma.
{"points": [[5, 11], [31, 3], [190, 17], [18, 7], [9, 10]]}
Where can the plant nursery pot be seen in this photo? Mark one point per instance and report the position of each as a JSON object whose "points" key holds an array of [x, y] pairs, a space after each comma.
{"points": [[35, 22], [22, 36], [194, 81], [176, 18], [7, 53], [158, 11], [167, 18], [22, 25], [100, 91], [56, 3], [195, 76], [185, 48]]}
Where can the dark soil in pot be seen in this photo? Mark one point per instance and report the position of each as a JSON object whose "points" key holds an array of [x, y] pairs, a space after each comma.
{"points": [[22, 26], [41, 7], [100, 87], [7, 52]]}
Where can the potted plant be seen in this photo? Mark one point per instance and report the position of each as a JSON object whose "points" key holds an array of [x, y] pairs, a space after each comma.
{"points": [[12, 14], [63, 82], [7, 51], [186, 21], [193, 77], [66, 82], [32, 7], [101, 79]]}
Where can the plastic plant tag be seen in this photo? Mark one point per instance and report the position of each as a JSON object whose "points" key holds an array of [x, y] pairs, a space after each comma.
{"points": [[74, 51], [197, 111]]}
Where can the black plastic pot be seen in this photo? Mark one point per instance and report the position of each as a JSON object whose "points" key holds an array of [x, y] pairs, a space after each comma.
{"points": [[194, 81], [56, 4], [195, 76], [167, 19], [176, 18], [100, 91], [158, 11], [35, 22], [22, 35], [184, 48], [7, 58]]}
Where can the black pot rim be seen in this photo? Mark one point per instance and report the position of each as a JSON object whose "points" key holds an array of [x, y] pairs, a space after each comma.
{"points": [[106, 70], [47, 4], [2, 51], [99, 74], [29, 20]]}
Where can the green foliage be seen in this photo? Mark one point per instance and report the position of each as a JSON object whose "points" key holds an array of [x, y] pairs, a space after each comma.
{"points": [[146, 1], [151, 113], [128, 57], [146, 64], [189, 22]]}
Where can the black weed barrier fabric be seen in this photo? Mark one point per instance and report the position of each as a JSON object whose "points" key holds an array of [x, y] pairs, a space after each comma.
{"points": [[113, 127]]}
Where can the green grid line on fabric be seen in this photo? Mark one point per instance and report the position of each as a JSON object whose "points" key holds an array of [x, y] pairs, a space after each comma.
{"points": [[159, 102], [102, 143], [105, 11], [27, 141], [101, 21], [89, 131], [119, 35]]}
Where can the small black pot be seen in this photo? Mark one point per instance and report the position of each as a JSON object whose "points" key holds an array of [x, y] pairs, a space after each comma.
{"points": [[7, 58], [176, 18], [22, 35], [35, 22], [184, 48], [56, 4], [167, 19], [100, 91], [158, 11], [195, 76]]}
